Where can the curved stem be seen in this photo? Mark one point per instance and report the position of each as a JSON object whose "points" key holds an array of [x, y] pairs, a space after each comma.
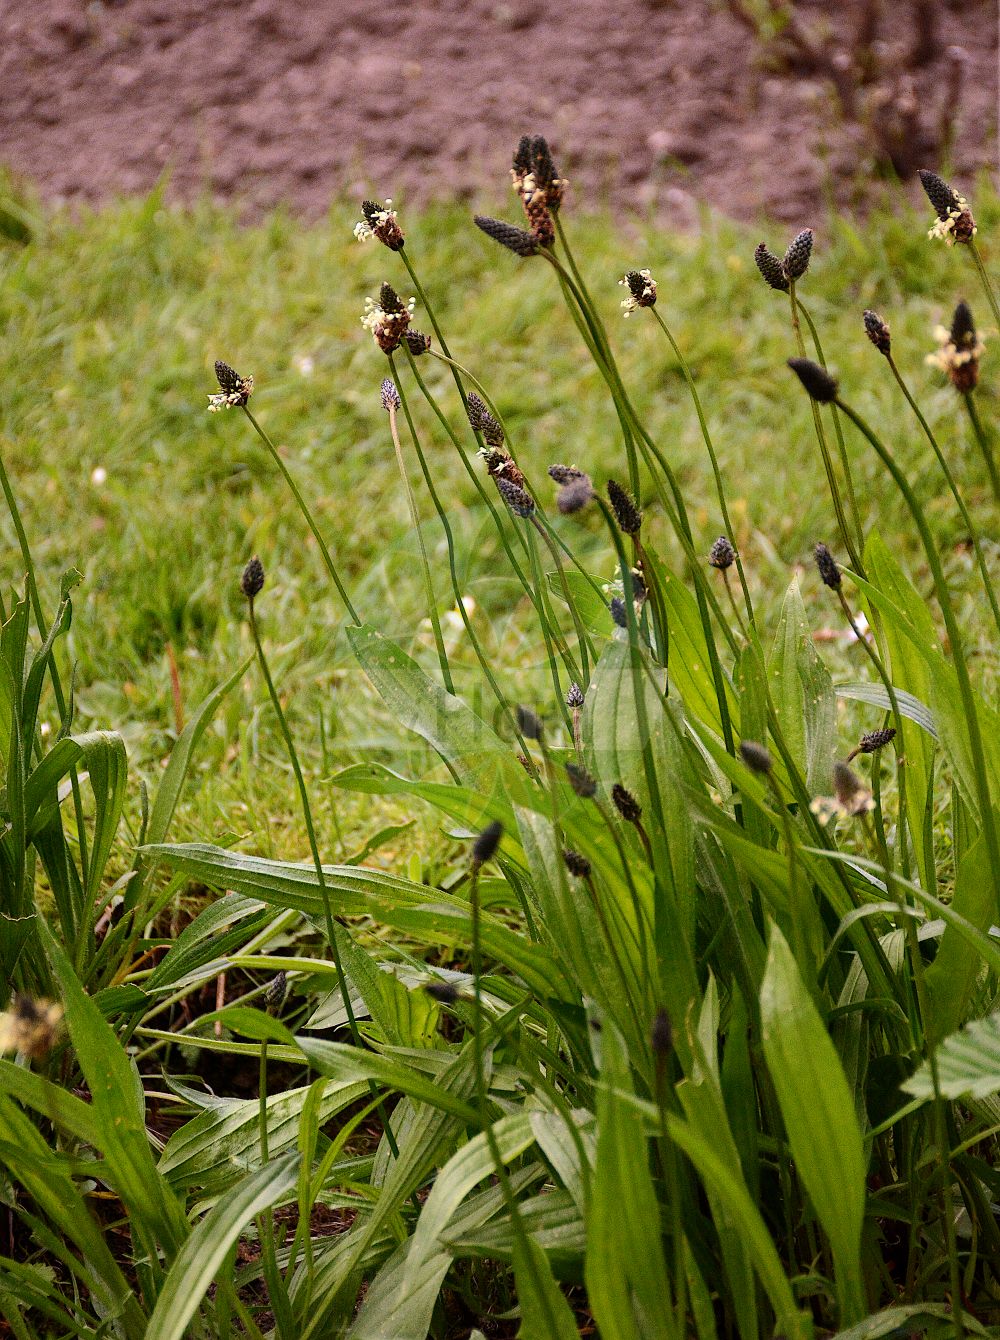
{"points": [[428, 582], [307, 514], [967, 520]]}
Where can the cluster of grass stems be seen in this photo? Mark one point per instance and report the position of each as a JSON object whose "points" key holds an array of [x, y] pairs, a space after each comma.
{"points": [[700, 1039]]}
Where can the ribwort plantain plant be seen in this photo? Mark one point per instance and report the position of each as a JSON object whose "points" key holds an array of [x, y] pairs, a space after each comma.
{"points": [[691, 1032]]}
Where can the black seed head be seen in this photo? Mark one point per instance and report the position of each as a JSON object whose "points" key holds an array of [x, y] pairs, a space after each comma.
{"points": [[529, 724], [826, 566], [940, 194], [252, 581], [517, 240], [576, 864], [517, 499], [485, 846], [796, 261], [722, 555], [627, 513], [963, 328], [581, 781], [389, 300], [770, 268], [874, 740], [755, 756], [816, 380], [229, 379], [483, 421], [417, 342], [277, 990], [521, 162], [444, 992], [575, 495], [661, 1035], [626, 804], [565, 474], [618, 612], [641, 287], [574, 696], [390, 396], [877, 331]]}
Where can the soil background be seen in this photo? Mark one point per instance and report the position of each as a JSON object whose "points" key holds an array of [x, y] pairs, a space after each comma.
{"points": [[652, 103]]}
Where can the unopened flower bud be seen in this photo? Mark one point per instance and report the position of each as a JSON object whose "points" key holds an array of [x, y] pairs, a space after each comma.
{"points": [[252, 581], [816, 380]]}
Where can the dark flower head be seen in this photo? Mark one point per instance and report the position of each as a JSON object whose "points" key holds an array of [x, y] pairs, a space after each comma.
{"points": [[954, 217], [626, 804], [939, 193], [517, 240], [756, 756], [581, 781], [234, 390], [722, 555], [252, 581], [485, 846], [641, 290], [390, 396], [483, 421], [277, 990], [517, 499], [417, 342], [565, 474], [826, 566], [796, 261], [446, 993], [874, 740], [576, 864], [379, 222], [387, 319], [627, 513], [618, 612], [816, 380], [770, 267], [575, 495], [574, 696], [877, 331], [963, 328], [661, 1035], [529, 723]]}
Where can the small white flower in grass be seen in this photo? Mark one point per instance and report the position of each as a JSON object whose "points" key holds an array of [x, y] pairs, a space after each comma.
{"points": [[98, 475]]}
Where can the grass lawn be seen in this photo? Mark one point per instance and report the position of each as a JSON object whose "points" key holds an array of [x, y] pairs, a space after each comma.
{"points": [[109, 326]]}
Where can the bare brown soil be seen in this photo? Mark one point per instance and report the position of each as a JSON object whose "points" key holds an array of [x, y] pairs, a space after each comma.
{"points": [[658, 103]]}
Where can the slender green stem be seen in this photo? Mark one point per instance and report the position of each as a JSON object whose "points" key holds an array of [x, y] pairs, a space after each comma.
{"points": [[307, 515], [831, 474], [983, 443], [710, 448], [453, 569], [845, 460], [277, 1293], [331, 932], [987, 283], [897, 717], [967, 520], [426, 567], [494, 410]]}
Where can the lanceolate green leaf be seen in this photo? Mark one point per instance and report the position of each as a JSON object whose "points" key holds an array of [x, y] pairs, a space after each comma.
{"points": [[802, 693], [200, 1260], [968, 1063], [478, 755], [155, 1210], [426, 913], [819, 1116]]}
